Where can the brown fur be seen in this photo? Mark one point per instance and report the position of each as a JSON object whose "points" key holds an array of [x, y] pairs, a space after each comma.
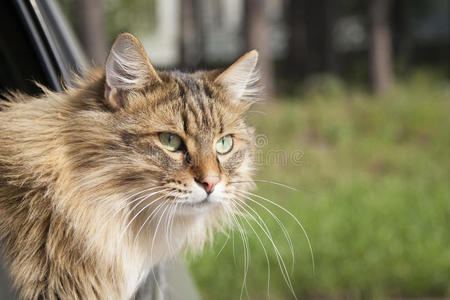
{"points": [[71, 164]]}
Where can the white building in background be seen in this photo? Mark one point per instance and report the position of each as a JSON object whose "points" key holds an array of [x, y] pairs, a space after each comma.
{"points": [[223, 31], [224, 25], [162, 43]]}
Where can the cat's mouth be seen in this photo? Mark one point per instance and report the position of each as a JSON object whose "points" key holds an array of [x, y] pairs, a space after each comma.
{"points": [[193, 207], [201, 203]]}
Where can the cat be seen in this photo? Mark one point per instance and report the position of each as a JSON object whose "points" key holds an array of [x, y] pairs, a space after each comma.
{"points": [[129, 167]]}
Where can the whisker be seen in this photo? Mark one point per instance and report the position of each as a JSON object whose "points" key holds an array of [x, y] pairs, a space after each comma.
{"points": [[228, 234], [291, 215], [149, 217], [257, 112], [153, 243], [246, 254], [123, 206], [170, 219], [223, 246], [283, 228], [137, 214], [234, 251], [167, 205], [125, 203], [143, 198], [265, 181], [265, 253], [173, 218], [279, 257]]}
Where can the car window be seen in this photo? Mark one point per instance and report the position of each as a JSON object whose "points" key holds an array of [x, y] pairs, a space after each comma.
{"points": [[19, 61], [62, 43]]}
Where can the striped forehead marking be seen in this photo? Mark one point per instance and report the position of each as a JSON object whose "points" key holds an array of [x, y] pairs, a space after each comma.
{"points": [[199, 109]]}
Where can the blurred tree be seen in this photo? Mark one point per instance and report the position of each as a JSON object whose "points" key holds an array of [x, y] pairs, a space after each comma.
{"points": [[297, 58], [402, 45], [91, 27], [257, 37], [320, 23], [406, 17], [191, 40], [380, 52], [311, 49]]}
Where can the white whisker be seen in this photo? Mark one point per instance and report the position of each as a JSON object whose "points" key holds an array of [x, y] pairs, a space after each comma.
{"points": [[171, 216], [223, 246], [246, 254], [148, 219], [117, 211], [279, 257], [265, 181], [138, 213], [294, 217], [126, 204], [153, 244], [283, 228], [265, 252]]}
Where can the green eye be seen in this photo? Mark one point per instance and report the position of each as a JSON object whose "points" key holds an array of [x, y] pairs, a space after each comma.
{"points": [[224, 144], [171, 141]]}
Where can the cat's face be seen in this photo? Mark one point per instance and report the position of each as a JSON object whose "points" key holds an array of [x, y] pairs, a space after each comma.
{"points": [[183, 136], [192, 138]]}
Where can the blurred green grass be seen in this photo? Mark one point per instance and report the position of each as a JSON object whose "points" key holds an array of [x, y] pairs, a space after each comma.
{"points": [[373, 194]]}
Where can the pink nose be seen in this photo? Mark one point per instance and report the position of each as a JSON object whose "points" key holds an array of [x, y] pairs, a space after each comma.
{"points": [[209, 182]]}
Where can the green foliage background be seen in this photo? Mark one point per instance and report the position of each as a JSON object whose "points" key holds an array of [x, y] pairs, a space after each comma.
{"points": [[373, 194]]}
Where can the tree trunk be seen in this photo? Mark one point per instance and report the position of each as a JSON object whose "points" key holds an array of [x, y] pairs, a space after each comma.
{"points": [[91, 26], [191, 39], [320, 23], [380, 52], [403, 46], [297, 58], [257, 37], [311, 48]]}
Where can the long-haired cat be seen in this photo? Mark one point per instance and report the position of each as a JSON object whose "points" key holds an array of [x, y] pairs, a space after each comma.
{"points": [[104, 180]]}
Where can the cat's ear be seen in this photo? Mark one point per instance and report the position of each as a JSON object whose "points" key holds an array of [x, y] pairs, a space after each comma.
{"points": [[240, 78], [127, 69]]}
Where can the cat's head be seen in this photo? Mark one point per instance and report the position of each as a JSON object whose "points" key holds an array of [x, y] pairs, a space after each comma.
{"points": [[181, 138]]}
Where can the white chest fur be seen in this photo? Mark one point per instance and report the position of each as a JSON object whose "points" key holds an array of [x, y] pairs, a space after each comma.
{"points": [[137, 260]]}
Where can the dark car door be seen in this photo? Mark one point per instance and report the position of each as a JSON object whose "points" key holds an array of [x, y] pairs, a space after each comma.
{"points": [[35, 45]]}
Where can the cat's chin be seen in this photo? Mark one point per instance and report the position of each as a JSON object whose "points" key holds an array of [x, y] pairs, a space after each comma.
{"points": [[188, 208]]}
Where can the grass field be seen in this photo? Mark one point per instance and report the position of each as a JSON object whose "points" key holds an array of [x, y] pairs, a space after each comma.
{"points": [[373, 194]]}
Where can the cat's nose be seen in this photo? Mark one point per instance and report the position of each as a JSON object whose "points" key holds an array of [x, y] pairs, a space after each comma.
{"points": [[209, 182]]}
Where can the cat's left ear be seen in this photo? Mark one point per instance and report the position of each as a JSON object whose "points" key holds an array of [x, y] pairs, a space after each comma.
{"points": [[127, 69], [240, 78]]}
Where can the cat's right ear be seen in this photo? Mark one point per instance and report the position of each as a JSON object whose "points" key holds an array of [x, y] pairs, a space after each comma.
{"points": [[127, 69]]}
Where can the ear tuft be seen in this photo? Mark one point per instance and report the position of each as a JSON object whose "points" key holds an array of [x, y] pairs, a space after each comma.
{"points": [[127, 68], [241, 78]]}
